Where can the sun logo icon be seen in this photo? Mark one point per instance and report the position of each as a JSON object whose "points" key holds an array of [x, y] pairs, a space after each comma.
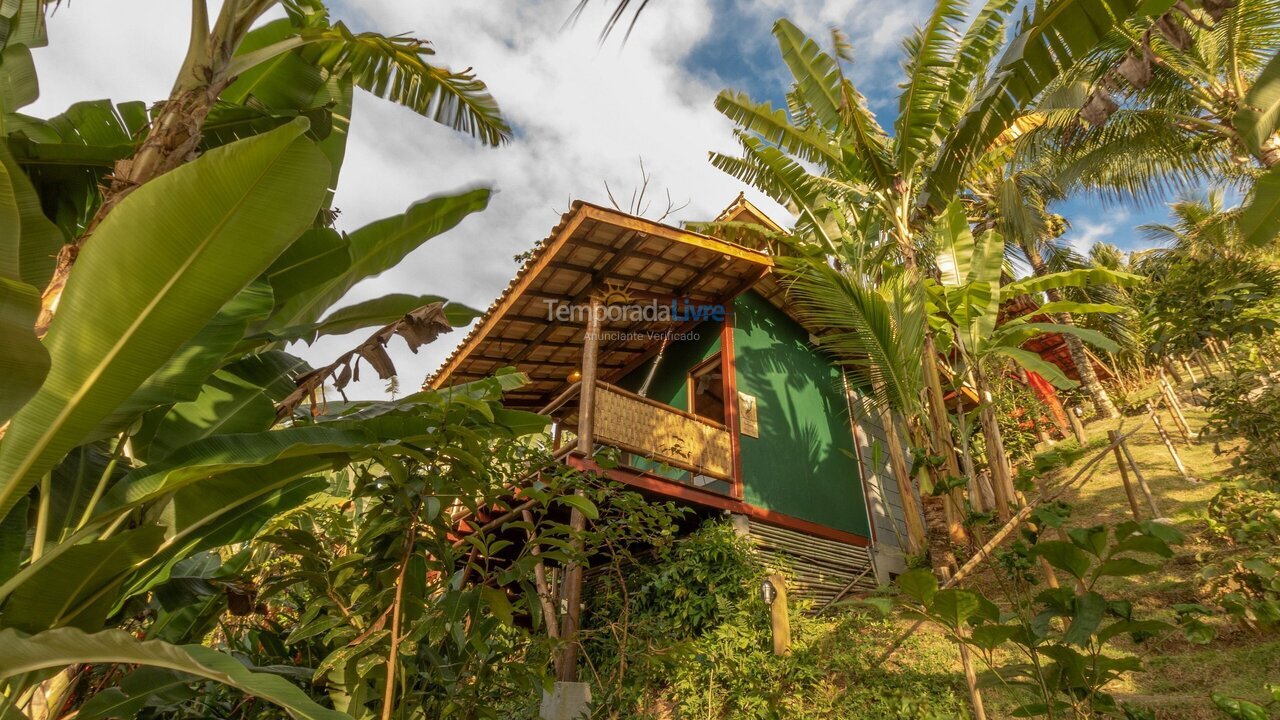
{"points": [[614, 294]]}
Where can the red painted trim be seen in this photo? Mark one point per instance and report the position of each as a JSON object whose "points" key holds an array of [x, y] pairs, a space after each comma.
{"points": [[663, 486], [770, 517], [730, 375]]}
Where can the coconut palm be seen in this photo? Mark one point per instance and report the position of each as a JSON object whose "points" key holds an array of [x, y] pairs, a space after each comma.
{"points": [[1163, 107], [1200, 228]]}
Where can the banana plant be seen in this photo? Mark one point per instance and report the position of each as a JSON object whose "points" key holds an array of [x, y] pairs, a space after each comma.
{"points": [[159, 417], [964, 306], [306, 58], [967, 88]]}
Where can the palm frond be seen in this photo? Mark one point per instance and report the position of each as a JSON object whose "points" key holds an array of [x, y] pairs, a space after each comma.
{"points": [[396, 69], [809, 144], [1054, 38], [876, 333]]}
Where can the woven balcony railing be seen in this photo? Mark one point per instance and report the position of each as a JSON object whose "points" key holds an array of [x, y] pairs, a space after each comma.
{"points": [[662, 433]]}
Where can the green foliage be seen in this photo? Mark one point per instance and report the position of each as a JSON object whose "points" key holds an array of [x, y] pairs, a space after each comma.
{"points": [[1245, 580], [140, 438], [684, 632], [1193, 299], [1245, 409], [1019, 412], [1238, 709], [1063, 639], [65, 646]]}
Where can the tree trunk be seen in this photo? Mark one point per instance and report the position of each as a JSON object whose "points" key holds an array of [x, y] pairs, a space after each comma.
{"points": [[173, 140], [997, 460], [940, 434], [935, 518], [906, 491], [941, 520], [1084, 367]]}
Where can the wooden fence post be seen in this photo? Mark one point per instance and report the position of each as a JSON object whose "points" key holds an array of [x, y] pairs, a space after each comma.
{"points": [[1113, 436], [1171, 369], [1077, 427], [1204, 366], [970, 677], [1142, 480], [1187, 366], [1168, 443], [1175, 409]]}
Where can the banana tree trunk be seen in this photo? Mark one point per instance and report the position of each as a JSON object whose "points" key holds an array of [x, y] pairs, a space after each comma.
{"points": [[940, 435], [997, 460], [942, 517], [175, 134], [1102, 403], [911, 510]]}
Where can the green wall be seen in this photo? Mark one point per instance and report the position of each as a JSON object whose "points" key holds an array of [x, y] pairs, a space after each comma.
{"points": [[804, 463], [669, 384]]}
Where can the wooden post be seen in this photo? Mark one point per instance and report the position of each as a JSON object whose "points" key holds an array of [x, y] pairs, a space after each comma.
{"points": [[1124, 476], [567, 659], [1175, 409], [970, 676], [1142, 481], [1077, 427], [1169, 368], [1050, 577], [1218, 357], [779, 620], [1187, 366], [1168, 443], [1204, 366]]}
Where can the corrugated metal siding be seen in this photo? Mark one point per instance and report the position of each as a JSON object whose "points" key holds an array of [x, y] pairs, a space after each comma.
{"points": [[822, 568], [882, 490]]}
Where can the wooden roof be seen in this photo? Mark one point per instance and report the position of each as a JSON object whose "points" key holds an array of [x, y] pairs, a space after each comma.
{"points": [[595, 250]]}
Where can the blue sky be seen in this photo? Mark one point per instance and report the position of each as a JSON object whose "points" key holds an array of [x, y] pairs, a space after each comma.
{"points": [[747, 59], [586, 114]]}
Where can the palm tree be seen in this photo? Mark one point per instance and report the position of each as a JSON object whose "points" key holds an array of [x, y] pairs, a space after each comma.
{"points": [[1015, 201], [397, 68], [964, 92], [1195, 101], [1201, 228], [874, 326]]}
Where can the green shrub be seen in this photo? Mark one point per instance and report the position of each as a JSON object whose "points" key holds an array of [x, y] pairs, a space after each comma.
{"points": [[1243, 408], [686, 635], [1246, 582]]}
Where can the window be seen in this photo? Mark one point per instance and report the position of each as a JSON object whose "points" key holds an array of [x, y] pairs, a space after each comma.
{"points": [[706, 389]]}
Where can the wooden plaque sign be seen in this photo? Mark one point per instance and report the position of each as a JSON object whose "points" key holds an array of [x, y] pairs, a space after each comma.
{"points": [[748, 424]]}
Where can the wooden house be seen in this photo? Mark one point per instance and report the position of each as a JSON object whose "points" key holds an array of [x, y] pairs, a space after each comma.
{"points": [[678, 350]]}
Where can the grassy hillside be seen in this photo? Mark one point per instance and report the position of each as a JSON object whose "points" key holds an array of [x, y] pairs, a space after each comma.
{"points": [[1180, 676]]}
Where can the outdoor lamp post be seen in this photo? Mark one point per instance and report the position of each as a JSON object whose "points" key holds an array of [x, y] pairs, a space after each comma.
{"points": [[773, 591], [768, 593]]}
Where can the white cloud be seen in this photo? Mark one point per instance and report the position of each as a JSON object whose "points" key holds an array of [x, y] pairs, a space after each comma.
{"points": [[584, 112], [1089, 232]]}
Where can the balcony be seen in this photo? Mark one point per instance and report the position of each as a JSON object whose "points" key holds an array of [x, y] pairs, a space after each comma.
{"points": [[664, 441]]}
